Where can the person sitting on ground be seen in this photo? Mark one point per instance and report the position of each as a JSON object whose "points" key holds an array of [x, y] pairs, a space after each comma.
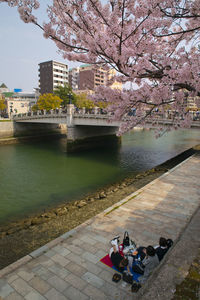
{"points": [[140, 253], [149, 263], [136, 259], [162, 248], [117, 259]]}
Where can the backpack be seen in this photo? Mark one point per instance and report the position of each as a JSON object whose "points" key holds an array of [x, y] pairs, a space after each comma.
{"points": [[116, 277], [127, 277], [169, 243], [126, 240], [135, 287]]}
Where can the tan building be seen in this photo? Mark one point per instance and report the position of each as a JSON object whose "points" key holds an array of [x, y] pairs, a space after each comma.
{"points": [[87, 92], [19, 103], [88, 77], [116, 85], [192, 103]]}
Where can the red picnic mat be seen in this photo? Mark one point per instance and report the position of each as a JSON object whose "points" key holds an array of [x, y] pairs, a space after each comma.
{"points": [[107, 261]]}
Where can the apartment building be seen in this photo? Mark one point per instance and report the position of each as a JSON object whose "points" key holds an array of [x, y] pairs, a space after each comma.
{"points": [[191, 102], [51, 75], [74, 78], [91, 76], [88, 77]]}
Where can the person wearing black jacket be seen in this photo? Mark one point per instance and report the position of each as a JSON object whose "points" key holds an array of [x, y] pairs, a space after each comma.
{"points": [[162, 248]]}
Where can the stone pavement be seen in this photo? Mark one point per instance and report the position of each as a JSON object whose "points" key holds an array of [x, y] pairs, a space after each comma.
{"points": [[69, 267]]}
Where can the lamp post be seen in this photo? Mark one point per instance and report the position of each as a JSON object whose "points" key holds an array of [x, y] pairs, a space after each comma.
{"points": [[11, 109], [70, 97]]}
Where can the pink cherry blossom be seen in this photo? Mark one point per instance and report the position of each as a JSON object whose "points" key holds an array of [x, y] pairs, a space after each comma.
{"points": [[152, 44]]}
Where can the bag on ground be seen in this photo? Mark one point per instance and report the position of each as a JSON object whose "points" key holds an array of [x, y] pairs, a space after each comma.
{"points": [[137, 268], [116, 277], [127, 277], [169, 243], [126, 240], [135, 287]]}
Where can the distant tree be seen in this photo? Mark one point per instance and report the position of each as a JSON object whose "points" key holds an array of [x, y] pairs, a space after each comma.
{"points": [[35, 107], [102, 104], [64, 93], [82, 100], [48, 102], [2, 104]]}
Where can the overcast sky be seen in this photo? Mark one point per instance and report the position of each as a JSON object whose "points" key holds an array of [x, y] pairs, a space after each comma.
{"points": [[22, 48]]}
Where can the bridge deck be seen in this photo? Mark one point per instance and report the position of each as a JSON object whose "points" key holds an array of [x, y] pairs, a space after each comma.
{"points": [[91, 119]]}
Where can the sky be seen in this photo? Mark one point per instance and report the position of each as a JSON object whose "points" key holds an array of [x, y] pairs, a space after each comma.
{"points": [[22, 48]]}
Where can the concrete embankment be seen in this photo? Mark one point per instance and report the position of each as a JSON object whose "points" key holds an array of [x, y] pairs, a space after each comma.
{"points": [[12, 132]]}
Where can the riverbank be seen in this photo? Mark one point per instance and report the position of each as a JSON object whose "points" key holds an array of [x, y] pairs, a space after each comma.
{"points": [[22, 237]]}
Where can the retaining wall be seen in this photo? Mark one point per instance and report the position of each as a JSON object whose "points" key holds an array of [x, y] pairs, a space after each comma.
{"points": [[13, 129]]}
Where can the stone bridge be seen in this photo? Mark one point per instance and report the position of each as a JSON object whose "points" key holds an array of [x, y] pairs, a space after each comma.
{"points": [[85, 125]]}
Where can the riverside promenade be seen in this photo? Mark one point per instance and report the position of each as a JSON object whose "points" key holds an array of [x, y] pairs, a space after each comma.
{"points": [[69, 267]]}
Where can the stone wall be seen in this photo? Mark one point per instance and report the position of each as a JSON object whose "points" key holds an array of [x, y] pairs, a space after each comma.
{"points": [[6, 129], [13, 129]]}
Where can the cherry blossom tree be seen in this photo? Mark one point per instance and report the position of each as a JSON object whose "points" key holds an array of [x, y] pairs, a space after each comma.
{"points": [[152, 44]]}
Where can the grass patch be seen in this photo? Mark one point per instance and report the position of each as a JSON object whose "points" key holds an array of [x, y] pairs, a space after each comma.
{"points": [[116, 207], [189, 288]]}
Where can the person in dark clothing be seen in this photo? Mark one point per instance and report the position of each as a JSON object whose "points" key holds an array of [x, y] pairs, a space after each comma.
{"points": [[162, 249], [139, 253], [117, 259], [149, 263]]}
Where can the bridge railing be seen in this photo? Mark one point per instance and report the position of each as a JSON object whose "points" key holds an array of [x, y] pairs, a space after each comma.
{"points": [[97, 112], [60, 112], [40, 114]]}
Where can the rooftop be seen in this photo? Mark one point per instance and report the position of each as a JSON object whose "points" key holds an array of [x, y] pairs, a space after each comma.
{"points": [[3, 85]]}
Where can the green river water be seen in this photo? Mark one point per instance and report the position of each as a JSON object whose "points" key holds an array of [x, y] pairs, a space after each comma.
{"points": [[40, 175]]}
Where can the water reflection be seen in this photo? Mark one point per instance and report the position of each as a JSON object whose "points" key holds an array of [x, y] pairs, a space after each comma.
{"points": [[38, 175]]}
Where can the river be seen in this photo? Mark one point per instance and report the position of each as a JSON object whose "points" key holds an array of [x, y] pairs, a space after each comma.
{"points": [[39, 175]]}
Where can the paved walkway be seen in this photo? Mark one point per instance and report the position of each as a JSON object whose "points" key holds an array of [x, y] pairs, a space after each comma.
{"points": [[69, 267]]}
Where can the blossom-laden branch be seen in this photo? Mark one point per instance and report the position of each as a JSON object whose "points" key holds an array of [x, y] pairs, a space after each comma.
{"points": [[153, 45]]}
